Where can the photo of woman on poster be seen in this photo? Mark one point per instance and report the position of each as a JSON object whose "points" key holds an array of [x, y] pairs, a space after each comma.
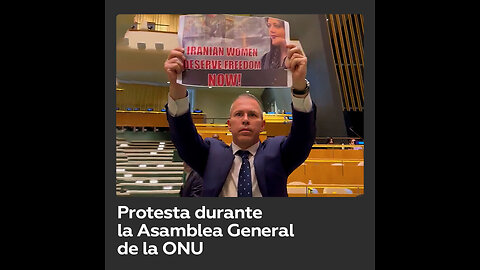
{"points": [[275, 58]]}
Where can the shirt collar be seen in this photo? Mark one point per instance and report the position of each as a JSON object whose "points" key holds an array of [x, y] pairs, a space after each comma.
{"points": [[252, 149]]}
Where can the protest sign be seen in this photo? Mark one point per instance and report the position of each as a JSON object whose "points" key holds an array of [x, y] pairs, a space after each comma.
{"points": [[234, 51]]}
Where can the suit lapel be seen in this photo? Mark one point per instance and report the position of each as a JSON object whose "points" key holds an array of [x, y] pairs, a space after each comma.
{"points": [[259, 163], [225, 163]]}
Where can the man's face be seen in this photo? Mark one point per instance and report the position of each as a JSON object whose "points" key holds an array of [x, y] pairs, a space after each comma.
{"points": [[186, 168], [245, 122]]}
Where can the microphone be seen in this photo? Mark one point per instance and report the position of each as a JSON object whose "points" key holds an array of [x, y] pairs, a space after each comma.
{"points": [[355, 132]]}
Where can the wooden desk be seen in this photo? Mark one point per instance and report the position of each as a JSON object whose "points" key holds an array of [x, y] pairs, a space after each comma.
{"points": [[277, 124], [149, 119], [333, 152], [329, 164], [299, 190], [329, 172], [345, 146], [274, 128]]}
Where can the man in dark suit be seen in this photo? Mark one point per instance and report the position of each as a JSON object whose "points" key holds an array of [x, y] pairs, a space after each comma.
{"points": [[193, 183], [247, 167]]}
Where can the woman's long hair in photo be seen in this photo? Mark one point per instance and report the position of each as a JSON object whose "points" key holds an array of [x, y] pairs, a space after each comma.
{"points": [[272, 60]]}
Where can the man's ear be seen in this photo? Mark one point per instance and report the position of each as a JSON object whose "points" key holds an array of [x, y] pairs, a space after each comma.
{"points": [[263, 125], [228, 123]]}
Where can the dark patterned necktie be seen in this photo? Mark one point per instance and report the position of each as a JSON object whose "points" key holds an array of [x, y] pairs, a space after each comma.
{"points": [[245, 176]]}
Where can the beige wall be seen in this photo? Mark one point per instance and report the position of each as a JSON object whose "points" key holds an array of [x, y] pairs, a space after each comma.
{"points": [[141, 96], [169, 40]]}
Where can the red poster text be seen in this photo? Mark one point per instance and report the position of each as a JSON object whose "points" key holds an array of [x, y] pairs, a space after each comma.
{"points": [[221, 79], [198, 50], [203, 64], [219, 51]]}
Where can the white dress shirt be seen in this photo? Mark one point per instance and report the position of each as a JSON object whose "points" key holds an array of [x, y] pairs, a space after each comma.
{"points": [[230, 186], [180, 106]]}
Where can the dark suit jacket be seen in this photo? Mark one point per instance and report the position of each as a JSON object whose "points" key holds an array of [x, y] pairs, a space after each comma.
{"points": [[275, 160], [192, 186]]}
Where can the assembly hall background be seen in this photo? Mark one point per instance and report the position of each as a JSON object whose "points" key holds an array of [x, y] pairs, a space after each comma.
{"points": [[147, 162]]}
